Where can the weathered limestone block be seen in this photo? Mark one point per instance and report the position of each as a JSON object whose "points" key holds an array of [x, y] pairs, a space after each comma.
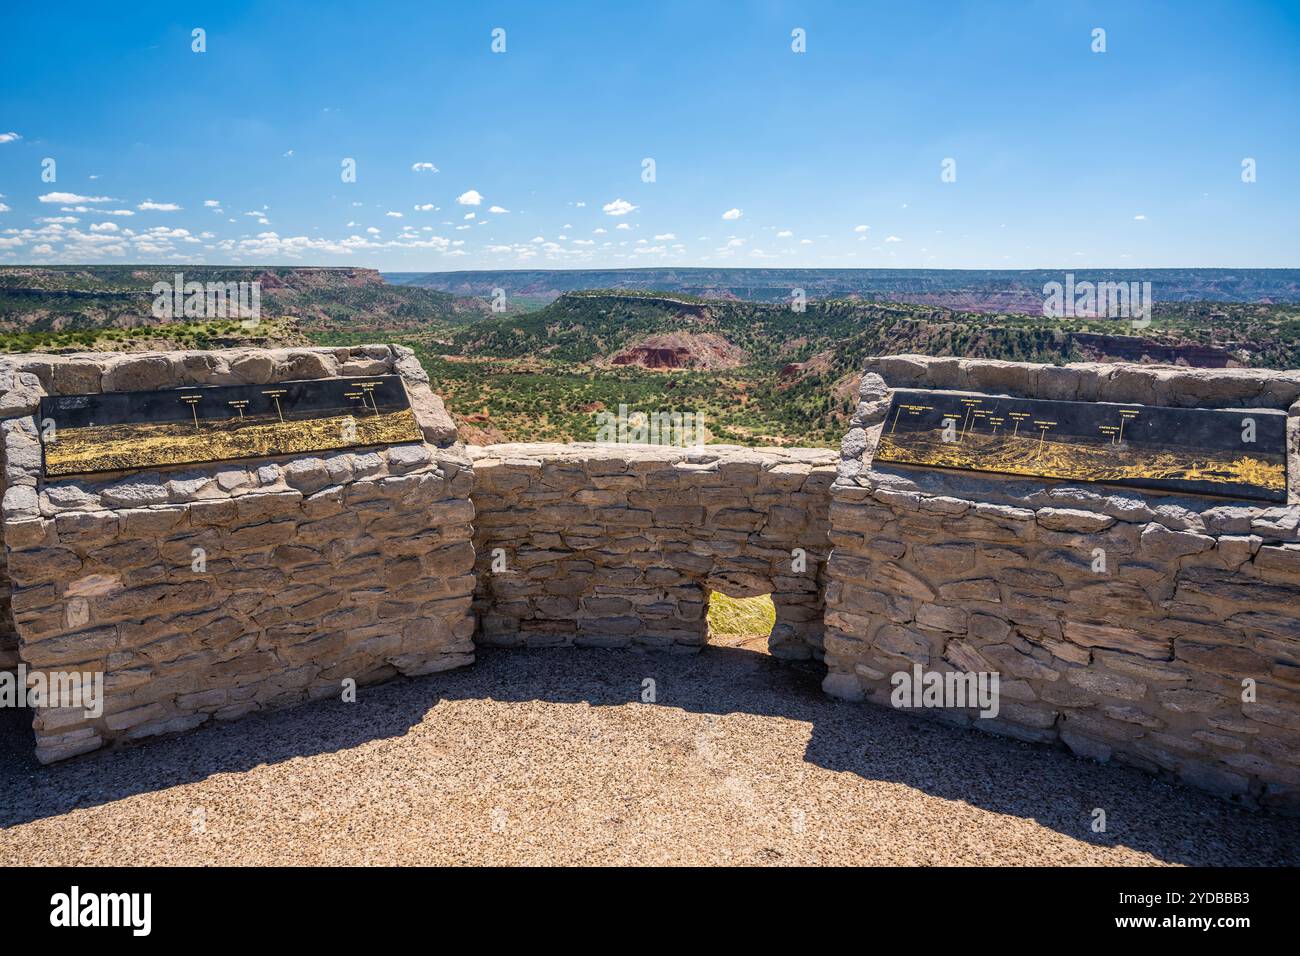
{"points": [[136, 373], [1088, 634], [1069, 519]]}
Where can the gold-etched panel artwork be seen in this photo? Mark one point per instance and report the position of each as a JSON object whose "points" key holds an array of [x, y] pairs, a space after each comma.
{"points": [[1238, 454], [116, 431]]}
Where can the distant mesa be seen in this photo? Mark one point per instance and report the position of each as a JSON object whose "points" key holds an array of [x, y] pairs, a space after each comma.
{"points": [[705, 350], [1094, 347]]}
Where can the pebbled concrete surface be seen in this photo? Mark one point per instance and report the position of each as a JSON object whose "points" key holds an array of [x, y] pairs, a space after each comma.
{"points": [[550, 757]]}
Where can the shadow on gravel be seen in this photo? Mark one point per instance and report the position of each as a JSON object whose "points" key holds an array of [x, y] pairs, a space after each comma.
{"points": [[1170, 822]]}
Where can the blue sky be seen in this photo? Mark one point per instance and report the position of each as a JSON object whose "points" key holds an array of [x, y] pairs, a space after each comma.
{"points": [[830, 158]]}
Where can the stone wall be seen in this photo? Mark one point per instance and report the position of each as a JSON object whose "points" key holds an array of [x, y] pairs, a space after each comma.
{"points": [[8, 636], [206, 592], [1177, 652], [620, 545]]}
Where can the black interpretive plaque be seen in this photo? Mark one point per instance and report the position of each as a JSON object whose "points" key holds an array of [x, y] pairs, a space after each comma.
{"points": [[116, 431], [1234, 454]]}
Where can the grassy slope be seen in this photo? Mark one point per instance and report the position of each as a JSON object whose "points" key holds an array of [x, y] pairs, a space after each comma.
{"points": [[78, 298]]}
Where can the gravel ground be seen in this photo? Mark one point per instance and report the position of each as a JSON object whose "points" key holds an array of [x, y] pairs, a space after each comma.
{"points": [[550, 757]]}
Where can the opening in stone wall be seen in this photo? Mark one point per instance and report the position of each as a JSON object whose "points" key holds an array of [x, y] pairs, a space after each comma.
{"points": [[741, 622]]}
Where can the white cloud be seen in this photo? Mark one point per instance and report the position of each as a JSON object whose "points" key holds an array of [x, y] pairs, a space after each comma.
{"points": [[98, 212], [861, 228], [732, 214], [619, 207], [212, 203], [288, 153], [1140, 217], [58, 219], [501, 209], [269, 244], [395, 215], [622, 225], [892, 239], [3, 207], [805, 242], [150, 205], [784, 234], [664, 237], [470, 198], [73, 198], [426, 207], [372, 230], [599, 231], [423, 168], [9, 137]]}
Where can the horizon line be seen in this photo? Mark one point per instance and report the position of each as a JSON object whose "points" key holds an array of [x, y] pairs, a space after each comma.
{"points": [[240, 265]]}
